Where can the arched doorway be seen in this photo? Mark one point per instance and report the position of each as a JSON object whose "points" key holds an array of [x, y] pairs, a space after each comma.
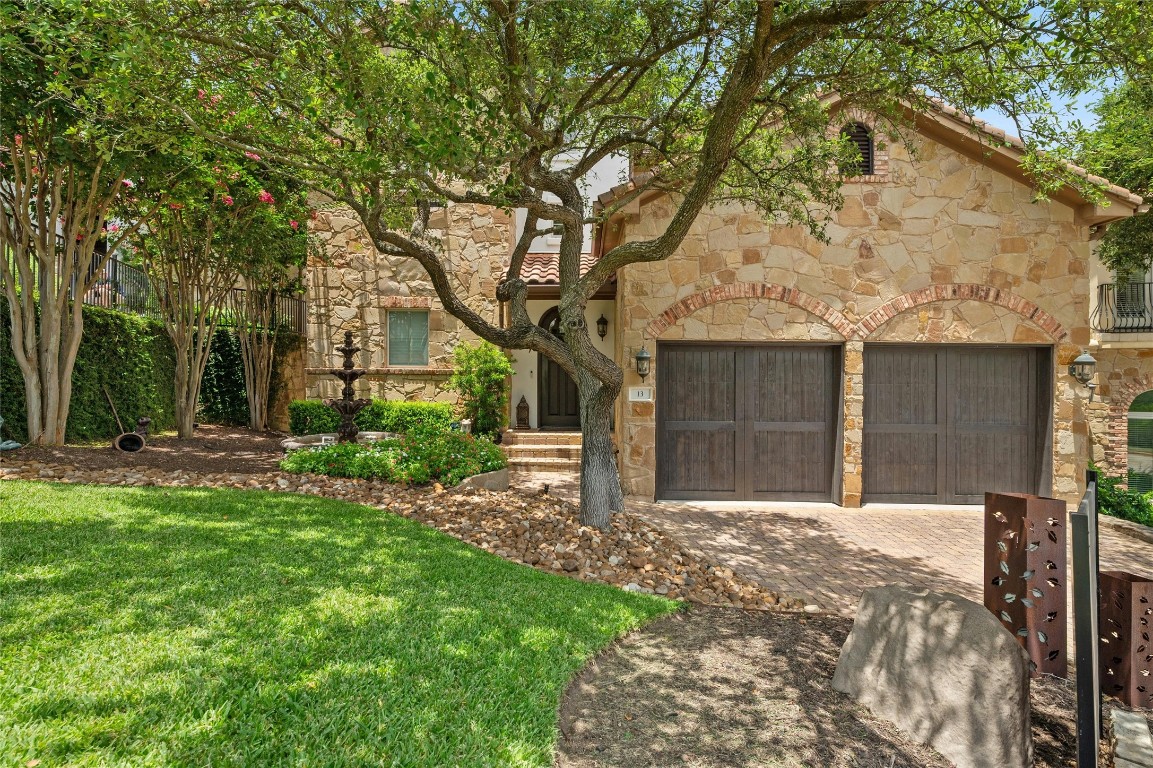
{"points": [[1140, 469], [557, 397]]}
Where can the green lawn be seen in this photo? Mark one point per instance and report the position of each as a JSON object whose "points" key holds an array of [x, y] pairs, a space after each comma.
{"points": [[214, 628]]}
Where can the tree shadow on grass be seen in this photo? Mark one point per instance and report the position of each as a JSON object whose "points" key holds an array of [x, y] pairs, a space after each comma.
{"points": [[185, 626]]}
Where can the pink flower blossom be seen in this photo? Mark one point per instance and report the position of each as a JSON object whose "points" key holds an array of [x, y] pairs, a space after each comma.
{"points": [[19, 139], [215, 99], [200, 94], [252, 156], [128, 183], [176, 206], [294, 224], [266, 197], [227, 199], [112, 228]]}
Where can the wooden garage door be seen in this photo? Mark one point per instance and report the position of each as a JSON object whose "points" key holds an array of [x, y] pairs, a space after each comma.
{"points": [[945, 424], [746, 422]]}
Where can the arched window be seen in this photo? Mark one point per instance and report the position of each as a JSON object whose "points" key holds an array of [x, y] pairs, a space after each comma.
{"points": [[1141, 443], [860, 137]]}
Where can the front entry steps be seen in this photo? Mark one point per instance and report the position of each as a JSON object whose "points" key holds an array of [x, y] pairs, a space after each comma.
{"points": [[537, 451]]}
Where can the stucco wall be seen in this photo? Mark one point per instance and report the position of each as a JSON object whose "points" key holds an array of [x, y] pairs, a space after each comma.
{"points": [[943, 249]]}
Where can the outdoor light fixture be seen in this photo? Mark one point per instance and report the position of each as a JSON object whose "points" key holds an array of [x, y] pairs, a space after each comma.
{"points": [[644, 361], [1081, 369], [602, 326]]}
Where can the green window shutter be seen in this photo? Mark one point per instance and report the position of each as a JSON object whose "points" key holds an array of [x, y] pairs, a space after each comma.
{"points": [[408, 337]]}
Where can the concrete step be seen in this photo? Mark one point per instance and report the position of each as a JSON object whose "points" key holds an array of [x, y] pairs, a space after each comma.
{"points": [[544, 465], [543, 451], [536, 437]]}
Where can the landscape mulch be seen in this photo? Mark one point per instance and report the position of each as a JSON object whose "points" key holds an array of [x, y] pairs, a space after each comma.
{"points": [[210, 449], [717, 688]]}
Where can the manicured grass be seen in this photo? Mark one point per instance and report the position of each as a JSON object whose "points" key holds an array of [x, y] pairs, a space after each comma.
{"points": [[201, 627]]}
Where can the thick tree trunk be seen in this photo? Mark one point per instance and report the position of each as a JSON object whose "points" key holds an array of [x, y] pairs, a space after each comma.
{"points": [[600, 482]]}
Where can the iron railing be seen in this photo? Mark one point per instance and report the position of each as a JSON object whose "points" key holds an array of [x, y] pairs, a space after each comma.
{"points": [[124, 288], [1123, 308]]}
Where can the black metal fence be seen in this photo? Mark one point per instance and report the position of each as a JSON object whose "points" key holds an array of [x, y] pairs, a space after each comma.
{"points": [[1123, 308], [125, 288]]}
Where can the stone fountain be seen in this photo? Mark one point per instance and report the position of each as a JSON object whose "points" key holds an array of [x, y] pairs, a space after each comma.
{"points": [[346, 406]]}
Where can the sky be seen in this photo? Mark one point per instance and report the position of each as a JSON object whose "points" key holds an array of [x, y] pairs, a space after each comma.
{"points": [[1077, 109]]}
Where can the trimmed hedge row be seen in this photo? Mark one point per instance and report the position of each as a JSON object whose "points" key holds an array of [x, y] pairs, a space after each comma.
{"points": [[129, 355], [133, 357], [310, 417]]}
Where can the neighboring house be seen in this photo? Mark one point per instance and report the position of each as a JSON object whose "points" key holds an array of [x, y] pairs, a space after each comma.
{"points": [[920, 356]]}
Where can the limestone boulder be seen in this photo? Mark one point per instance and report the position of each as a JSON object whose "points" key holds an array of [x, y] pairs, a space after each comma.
{"points": [[944, 670]]}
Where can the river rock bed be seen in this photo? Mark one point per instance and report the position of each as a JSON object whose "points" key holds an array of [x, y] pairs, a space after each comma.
{"points": [[532, 529]]}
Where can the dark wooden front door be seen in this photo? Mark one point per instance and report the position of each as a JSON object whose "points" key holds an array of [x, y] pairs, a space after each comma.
{"points": [[557, 395], [944, 424], [746, 421]]}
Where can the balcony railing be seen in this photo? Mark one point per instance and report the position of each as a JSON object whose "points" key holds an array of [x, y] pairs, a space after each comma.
{"points": [[125, 288], [1123, 308]]}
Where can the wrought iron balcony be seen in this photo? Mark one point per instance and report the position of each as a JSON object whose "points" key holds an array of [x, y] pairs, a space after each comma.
{"points": [[1123, 308]]}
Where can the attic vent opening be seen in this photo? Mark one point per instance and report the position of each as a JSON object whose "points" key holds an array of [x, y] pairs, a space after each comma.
{"points": [[860, 137]]}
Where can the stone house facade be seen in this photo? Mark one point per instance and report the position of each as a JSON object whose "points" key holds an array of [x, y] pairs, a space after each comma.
{"points": [[913, 356]]}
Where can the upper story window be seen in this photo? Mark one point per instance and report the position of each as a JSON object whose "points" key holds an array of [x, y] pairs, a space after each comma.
{"points": [[407, 337], [861, 137]]}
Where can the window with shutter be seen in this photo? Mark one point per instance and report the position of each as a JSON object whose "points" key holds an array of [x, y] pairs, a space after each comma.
{"points": [[861, 137], [408, 337]]}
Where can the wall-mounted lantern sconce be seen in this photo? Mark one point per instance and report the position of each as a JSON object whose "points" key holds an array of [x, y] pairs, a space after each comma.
{"points": [[602, 326], [1081, 369], [644, 362]]}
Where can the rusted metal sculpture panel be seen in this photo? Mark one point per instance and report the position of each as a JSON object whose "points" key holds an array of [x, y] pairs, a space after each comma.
{"points": [[1025, 575], [1126, 653]]}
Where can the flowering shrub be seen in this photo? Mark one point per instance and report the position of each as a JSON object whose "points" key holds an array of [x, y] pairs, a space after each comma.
{"points": [[417, 458]]}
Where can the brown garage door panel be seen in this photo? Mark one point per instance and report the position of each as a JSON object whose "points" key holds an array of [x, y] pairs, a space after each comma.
{"points": [[746, 421], [947, 423]]}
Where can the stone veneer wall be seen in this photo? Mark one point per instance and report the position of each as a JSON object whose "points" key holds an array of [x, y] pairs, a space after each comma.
{"points": [[941, 249], [354, 286], [290, 385]]}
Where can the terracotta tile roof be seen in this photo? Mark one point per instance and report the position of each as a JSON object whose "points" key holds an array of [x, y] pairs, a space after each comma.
{"points": [[544, 268]]}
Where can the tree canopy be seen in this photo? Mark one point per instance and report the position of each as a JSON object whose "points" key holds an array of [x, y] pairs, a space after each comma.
{"points": [[394, 108], [1121, 150]]}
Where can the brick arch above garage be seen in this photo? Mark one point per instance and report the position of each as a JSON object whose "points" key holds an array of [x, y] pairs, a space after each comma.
{"points": [[736, 291], [875, 320], [869, 324]]}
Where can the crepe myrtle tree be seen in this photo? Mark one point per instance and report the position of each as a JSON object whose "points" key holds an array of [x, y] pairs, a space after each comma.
{"points": [[72, 129], [391, 108], [218, 222]]}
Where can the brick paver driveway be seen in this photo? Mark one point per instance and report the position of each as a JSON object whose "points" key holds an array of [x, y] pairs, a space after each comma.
{"points": [[829, 555]]}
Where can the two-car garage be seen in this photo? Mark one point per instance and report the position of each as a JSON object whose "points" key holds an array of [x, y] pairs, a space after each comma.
{"points": [[942, 423]]}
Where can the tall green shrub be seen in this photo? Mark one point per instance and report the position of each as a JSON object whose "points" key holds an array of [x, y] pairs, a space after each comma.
{"points": [[480, 375], [129, 355], [222, 398]]}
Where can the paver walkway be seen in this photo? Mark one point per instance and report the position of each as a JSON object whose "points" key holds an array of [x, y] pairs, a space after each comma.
{"points": [[828, 555]]}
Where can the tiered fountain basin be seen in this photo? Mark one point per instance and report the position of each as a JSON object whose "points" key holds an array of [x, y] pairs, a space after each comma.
{"points": [[331, 438]]}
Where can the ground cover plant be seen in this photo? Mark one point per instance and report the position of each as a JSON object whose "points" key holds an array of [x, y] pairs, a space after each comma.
{"points": [[152, 627], [1118, 501], [422, 456]]}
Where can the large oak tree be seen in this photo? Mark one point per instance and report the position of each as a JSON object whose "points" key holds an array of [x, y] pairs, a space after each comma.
{"points": [[393, 108]]}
